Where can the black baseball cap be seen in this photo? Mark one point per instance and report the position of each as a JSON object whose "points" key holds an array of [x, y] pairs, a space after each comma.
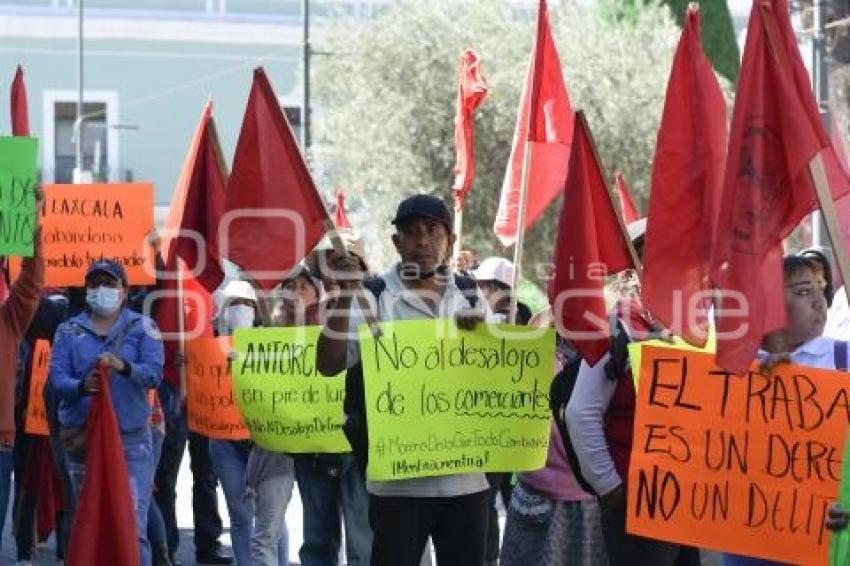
{"points": [[423, 205], [109, 267]]}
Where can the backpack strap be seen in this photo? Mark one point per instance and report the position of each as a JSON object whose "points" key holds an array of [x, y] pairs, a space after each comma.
{"points": [[840, 354], [469, 288], [375, 285]]}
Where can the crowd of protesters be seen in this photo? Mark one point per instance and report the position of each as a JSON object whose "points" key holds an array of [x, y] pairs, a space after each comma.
{"points": [[572, 511]]}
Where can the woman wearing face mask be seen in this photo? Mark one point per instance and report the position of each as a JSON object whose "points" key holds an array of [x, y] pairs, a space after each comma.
{"points": [[128, 344], [237, 308]]}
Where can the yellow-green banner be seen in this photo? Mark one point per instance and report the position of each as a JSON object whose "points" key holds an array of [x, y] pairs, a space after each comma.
{"points": [[287, 404], [443, 401]]}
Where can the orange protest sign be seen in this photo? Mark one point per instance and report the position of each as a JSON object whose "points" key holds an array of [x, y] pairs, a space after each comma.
{"points": [[744, 464], [36, 421], [84, 223], [212, 410]]}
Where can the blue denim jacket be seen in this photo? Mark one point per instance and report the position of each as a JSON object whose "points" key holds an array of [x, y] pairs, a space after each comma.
{"points": [[76, 349]]}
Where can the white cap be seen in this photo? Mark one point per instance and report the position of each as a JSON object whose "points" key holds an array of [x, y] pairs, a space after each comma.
{"points": [[636, 229], [233, 290], [495, 269]]}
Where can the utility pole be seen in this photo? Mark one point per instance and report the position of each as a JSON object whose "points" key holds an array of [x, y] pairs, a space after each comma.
{"points": [[305, 111], [78, 123]]}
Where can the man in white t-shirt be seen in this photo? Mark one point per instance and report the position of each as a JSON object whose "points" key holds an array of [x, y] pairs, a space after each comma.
{"points": [[452, 510]]}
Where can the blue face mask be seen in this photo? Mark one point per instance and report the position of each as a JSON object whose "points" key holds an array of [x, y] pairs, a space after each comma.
{"points": [[103, 300]]}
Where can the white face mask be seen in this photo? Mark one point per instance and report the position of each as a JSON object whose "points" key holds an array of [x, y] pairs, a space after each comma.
{"points": [[238, 316], [103, 300]]}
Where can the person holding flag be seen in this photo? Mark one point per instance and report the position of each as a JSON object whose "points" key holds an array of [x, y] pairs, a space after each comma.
{"points": [[109, 334]]}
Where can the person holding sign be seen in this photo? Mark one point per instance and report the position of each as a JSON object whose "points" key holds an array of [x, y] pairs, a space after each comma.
{"points": [[128, 344], [600, 419], [801, 342], [331, 484], [16, 312], [451, 509], [237, 308]]}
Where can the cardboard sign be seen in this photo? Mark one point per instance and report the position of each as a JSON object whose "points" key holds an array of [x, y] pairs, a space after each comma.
{"points": [[286, 403], [18, 179], [36, 421], [209, 402], [84, 223], [743, 464], [441, 401]]}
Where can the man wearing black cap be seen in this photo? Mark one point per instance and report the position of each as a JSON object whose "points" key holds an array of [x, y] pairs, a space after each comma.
{"points": [[452, 510]]}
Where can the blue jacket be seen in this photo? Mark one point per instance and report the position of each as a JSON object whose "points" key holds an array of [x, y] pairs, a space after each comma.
{"points": [[76, 349]]}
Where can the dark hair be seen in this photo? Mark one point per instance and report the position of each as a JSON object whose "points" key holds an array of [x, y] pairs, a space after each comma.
{"points": [[818, 259]]}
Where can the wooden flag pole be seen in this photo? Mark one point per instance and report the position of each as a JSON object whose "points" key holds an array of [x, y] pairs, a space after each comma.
{"points": [[632, 252], [520, 234], [458, 228], [830, 219], [181, 331]]}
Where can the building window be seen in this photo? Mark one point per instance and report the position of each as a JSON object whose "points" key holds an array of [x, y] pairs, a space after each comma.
{"points": [[100, 138], [95, 147]]}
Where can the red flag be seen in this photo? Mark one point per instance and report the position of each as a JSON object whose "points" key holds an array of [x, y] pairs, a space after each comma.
{"points": [[274, 214], [198, 205], [544, 125], [104, 529], [20, 127], [471, 92], [590, 245], [340, 217], [41, 482], [20, 115], [687, 180], [630, 211], [776, 132], [197, 312]]}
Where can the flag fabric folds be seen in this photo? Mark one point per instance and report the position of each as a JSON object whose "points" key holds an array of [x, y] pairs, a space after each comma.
{"points": [[274, 215], [544, 127], [776, 132], [590, 245], [104, 529], [687, 180], [20, 127], [630, 211], [191, 243], [340, 217], [471, 91]]}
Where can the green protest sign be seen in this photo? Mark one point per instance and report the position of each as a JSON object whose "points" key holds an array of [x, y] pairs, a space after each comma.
{"points": [[286, 403], [839, 546], [18, 178], [443, 401]]}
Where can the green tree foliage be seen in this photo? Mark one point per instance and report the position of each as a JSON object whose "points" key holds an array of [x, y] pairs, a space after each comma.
{"points": [[718, 34], [386, 94]]}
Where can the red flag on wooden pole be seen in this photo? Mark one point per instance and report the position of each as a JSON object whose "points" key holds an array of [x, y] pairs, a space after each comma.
{"points": [[104, 529], [191, 234], [20, 127], [776, 133], [340, 217], [591, 244], [630, 211], [20, 114], [544, 127], [471, 91], [274, 215], [687, 180]]}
